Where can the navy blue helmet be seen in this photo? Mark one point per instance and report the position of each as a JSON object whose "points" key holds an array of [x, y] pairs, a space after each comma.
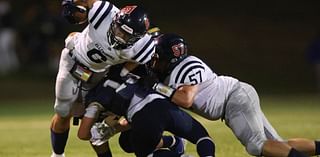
{"points": [[128, 26], [170, 48]]}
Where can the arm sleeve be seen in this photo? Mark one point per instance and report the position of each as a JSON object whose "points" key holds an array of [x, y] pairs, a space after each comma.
{"points": [[141, 51]]}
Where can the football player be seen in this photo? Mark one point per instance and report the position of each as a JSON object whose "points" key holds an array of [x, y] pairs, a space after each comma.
{"points": [[191, 84], [111, 37], [99, 129], [149, 115]]}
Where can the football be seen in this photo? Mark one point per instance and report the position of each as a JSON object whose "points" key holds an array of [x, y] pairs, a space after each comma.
{"points": [[81, 16]]}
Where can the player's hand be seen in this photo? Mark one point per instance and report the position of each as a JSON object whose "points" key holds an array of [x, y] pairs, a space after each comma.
{"points": [[101, 133]]}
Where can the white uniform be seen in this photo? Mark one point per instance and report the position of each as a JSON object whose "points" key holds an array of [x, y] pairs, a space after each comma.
{"points": [[92, 49], [223, 97]]}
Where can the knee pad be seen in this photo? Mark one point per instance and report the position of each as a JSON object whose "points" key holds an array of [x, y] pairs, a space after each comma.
{"points": [[254, 149], [63, 107]]}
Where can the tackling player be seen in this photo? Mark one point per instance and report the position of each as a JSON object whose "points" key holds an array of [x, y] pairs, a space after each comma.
{"points": [[191, 84], [112, 37]]}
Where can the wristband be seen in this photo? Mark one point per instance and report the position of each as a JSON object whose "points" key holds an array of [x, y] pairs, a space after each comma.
{"points": [[163, 89]]}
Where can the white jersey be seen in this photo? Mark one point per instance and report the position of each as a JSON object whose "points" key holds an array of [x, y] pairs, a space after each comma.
{"points": [[223, 97], [91, 46], [213, 90]]}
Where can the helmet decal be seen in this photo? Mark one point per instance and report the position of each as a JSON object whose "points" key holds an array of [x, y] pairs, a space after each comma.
{"points": [[178, 49], [127, 29], [128, 9]]}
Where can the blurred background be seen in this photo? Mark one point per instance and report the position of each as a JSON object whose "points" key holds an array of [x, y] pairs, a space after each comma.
{"points": [[273, 45], [270, 44]]}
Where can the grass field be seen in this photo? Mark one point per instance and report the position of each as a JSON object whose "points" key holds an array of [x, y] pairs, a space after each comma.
{"points": [[24, 127]]}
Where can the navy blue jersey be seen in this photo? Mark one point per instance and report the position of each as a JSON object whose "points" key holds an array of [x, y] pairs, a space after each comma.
{"points": [[118, 99], [149, 114]]}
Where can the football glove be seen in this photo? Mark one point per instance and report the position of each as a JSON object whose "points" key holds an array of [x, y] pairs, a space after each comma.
{"points": [[101, 133]]}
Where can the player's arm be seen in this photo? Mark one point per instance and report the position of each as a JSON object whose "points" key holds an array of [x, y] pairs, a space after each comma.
{"points": [[184, 95], [144, 55], [92, 112], [119, 123], [128, 67], [114, 122]]}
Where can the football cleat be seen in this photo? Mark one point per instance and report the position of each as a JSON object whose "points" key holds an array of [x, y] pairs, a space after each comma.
{"points": [[57, 155]]}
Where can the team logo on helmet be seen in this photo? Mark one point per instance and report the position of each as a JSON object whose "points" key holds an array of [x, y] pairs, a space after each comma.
{"points": [[178, 49], [128, 9]]}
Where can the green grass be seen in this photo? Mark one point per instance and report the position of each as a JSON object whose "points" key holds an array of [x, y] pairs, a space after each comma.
{"points": [[24, 127]]}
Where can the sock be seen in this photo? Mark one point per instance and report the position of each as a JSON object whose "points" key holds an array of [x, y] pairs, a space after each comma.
{"points": [[317, 143], [106, 154], [294, 153], [174, 143], [206, 147], [59, 141]]}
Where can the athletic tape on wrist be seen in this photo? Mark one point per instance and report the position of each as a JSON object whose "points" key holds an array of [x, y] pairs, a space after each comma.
{"points": [[163, 89]]}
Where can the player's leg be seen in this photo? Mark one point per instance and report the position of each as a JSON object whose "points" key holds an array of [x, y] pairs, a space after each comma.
{"points": [[66, 94], [146, 133], [125, 144], [84, 131], [183, 125], [102, 150], [125, 141], [174, 143], [270, 132], [301, 144], [307, 146], [153, 119], [59, 134], [243, 116], [147, 127]]}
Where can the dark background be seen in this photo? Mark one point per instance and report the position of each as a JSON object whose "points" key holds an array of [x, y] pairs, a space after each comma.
{"points": [[260, 42]]}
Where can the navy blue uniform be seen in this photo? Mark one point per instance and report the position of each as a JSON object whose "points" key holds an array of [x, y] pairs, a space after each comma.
{"points": [[148, 123]]}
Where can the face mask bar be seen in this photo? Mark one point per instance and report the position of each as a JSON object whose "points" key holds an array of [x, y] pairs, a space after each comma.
{"points": [[154, 60], [118, 42]]}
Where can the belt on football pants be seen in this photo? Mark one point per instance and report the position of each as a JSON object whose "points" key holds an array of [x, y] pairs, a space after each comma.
{"points": [[80, 71]]}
